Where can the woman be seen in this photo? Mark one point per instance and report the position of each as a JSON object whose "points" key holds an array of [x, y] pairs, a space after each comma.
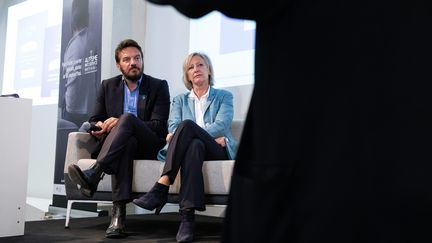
{"points": [[199, 129]]}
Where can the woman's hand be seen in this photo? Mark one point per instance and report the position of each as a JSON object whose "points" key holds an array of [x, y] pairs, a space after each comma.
{"points": [[169, 137], [221, 141]]}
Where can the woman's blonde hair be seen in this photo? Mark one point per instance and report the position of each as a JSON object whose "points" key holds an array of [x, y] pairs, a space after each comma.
{"points": [[188, 83]]}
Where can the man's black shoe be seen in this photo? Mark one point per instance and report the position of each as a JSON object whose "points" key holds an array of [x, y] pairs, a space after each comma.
{"points": [[116, 229], [87, 179]]}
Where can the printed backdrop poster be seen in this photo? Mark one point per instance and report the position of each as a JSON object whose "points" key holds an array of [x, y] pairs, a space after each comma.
{"points": [[80, 73]]}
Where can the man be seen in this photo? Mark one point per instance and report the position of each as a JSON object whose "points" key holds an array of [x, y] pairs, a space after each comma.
{"points": [[130, 118], [336, 145]]}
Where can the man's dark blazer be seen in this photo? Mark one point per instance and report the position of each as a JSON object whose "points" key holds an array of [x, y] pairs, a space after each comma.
{"points": [[337, 145], [153, 102]]}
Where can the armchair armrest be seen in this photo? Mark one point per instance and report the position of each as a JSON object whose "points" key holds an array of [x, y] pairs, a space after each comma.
{"points": [[80, 145]]}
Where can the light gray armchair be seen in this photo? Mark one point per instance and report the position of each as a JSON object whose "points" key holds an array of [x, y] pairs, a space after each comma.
{"points": [[217, 174]]}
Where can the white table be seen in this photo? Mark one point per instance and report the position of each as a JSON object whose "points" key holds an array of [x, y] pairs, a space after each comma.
{"points": [[15, 130]]}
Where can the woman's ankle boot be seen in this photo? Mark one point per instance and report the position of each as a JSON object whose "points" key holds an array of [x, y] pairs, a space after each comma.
{"points": [[117, 229], [156, 198], [187, 226]]}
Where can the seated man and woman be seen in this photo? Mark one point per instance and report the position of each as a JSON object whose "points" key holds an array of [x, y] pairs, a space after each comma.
{"points": [[198, 130]]}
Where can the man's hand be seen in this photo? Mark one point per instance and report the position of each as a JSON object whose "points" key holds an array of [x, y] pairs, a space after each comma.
{"points": [[105, 126]]}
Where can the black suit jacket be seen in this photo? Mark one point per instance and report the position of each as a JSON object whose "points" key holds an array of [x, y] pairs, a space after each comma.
{"points": [[153, 102], [344, 152]]}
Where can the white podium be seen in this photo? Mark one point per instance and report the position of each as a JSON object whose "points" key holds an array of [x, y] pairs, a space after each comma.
{"points": [[15, 130]]}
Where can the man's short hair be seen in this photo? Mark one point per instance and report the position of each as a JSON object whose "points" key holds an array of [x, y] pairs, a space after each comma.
{"points": [[124, 44]]}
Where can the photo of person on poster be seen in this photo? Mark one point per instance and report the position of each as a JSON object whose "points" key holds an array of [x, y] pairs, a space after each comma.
{"points": [[80, 76]]}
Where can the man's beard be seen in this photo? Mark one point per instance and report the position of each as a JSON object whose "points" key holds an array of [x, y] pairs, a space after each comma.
{"points": [[134, 77]]}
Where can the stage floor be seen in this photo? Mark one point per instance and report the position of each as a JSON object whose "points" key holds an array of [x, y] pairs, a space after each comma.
{"points": [[141, 228]]}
